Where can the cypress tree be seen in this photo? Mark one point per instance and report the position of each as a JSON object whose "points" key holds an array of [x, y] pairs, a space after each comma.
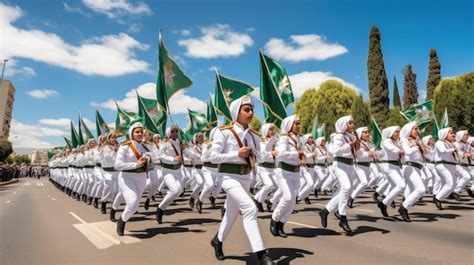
{"points": [[378, 83], [410, 93], [434, 74], [360, 112], [396, 94]]}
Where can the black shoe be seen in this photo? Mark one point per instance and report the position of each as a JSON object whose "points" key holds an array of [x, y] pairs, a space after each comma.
{"points": [[147, 204], [336, 214], [393, 205], [103, 207], [120, 226], [182, 195], [273, 227], [404, 213], [217, 245], [96, 203], [456, 196], [191, 202], [259, 206], [112, 215], [469, 191], [324, 217], [213, 202], [89, 201], [375, 197], [281, 231], [264, 259], [316, 194], [383, 209], [199, 206], [269, 205], [437, 203], [307, 201], [222, 212], [153, 198], [350, 202], [78, 197], [252, 190], [159, 215], [344, 224]]}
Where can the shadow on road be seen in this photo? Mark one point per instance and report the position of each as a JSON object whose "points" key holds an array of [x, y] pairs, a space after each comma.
{"points": [[283, 256], [151, 232], [313, 232], [366, 229], [433, 217], [197, 221]]}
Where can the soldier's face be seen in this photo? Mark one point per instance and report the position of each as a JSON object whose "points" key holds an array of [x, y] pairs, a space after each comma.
{"points": [[350, 126], [200, 139], [138, 134], [271, 132], [310, 140], [174, 133], [450, 136], [245, 114], [296, 127], [365, 135]]}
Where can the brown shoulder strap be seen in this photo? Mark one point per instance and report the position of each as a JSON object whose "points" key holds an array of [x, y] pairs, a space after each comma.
{"points": [[134, 150], [239, 142]]}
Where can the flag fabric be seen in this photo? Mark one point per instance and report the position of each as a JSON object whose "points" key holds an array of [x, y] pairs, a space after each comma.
{"points": [[432, 129], [124, 120], [376, 133], [211, 115], [86, 133], [322, 131], [228, 90], [74, 136], [185, 137], [198, 120], [273, 106], [148, 112], [314, 129], [280, 79], [421, 113], [444, 120], [80, 136], [100, 125], [170, 77], [68, 143]]}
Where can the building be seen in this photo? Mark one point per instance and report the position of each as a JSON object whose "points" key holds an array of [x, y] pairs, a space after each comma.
{"points": [[7, 96], [39, 158]]}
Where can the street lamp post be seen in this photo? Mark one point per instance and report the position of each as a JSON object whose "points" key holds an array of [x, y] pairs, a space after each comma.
{"points": [[3, 69]]}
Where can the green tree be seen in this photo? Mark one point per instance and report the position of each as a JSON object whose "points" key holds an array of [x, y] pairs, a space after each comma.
{"points": [[19, 159], [396, 94], [434, 74], [378, 83], [9, 160], [331, 101], [360, 112], [457, 95], [5, 149], [255, 124], [410, 92], [395, 118]]}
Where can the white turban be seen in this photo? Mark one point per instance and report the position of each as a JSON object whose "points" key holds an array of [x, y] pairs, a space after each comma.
{"points": [[305, 138], [470, 140], [156, 136], [388, 132], [265, 128], [405, 132], [443, 133], [236, 104], [132, 128], [168, 130], [341, 123], [195, 136], [319, 140], [460, 135], [287, 123], [426, 139], [360, 130]]}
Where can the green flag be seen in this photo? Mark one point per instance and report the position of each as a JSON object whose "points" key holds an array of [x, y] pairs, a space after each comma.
{"points": [[432, 129], [375, 132], [74, 137], [228, 90], [86, 133], [198, 120], [185, 137], [148, 111], [211, 115], [124, 120], [314, 129], [273, 106], [68, 143], [421, 113], [280, 79], [322, 131], [80, 136], [444, 120], [170, 77], [100, 125]]}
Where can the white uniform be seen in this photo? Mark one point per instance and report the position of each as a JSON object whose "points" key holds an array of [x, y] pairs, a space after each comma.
{"points": [[446, 161], [152, 181], [463, 168], [391, 154], [307, 174], [110, 189], [362, 168], [266, 169], [209, 170]]}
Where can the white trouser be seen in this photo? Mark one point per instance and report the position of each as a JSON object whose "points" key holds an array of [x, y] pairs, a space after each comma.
{"points": [[99, 179], [238, 202], [345, 175], [198, 182], [415, 188], [174, 181], [362, 174], [131, 186], [289, 183], [320, 175], [268, 184], [464, 178], [396, 182], [217, 183], [208, 175], [306, 182], [187, 176], [447, 178], [330, 180], [151, 183], [90, 181], [108, 190]]}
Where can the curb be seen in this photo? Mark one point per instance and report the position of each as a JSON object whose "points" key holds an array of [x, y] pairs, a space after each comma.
{"points": [[8, 182]]}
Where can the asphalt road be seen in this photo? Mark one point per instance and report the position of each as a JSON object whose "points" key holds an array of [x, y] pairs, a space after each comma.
{"points": [[41, 225]]}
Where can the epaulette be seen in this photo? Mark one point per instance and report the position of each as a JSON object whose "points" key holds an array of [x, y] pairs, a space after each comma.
{"points": [[126, 142], [208, 142], [255, 132], [225, 127]]}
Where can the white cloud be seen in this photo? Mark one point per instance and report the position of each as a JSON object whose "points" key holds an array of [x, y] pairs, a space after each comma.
{"points": [[61, 122], [213, 68], [179, 103], [217, 41], [303, 48], [32, 136], [185, 32], [12, 68], [109, 55], [117, 8], [42, 94], [71, 9]]}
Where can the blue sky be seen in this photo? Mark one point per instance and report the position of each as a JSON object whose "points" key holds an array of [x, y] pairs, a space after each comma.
{"points": [[73, 56]]}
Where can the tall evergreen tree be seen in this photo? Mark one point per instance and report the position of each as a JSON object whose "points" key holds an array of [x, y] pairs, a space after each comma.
{"points": [[360, 112], [396, 94], [434, 74], [378, 83], [410, 92]]}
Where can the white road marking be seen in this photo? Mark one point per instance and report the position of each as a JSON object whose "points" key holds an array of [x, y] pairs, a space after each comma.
{"points": [[8, 201], [53, 199], [304, 225]]}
